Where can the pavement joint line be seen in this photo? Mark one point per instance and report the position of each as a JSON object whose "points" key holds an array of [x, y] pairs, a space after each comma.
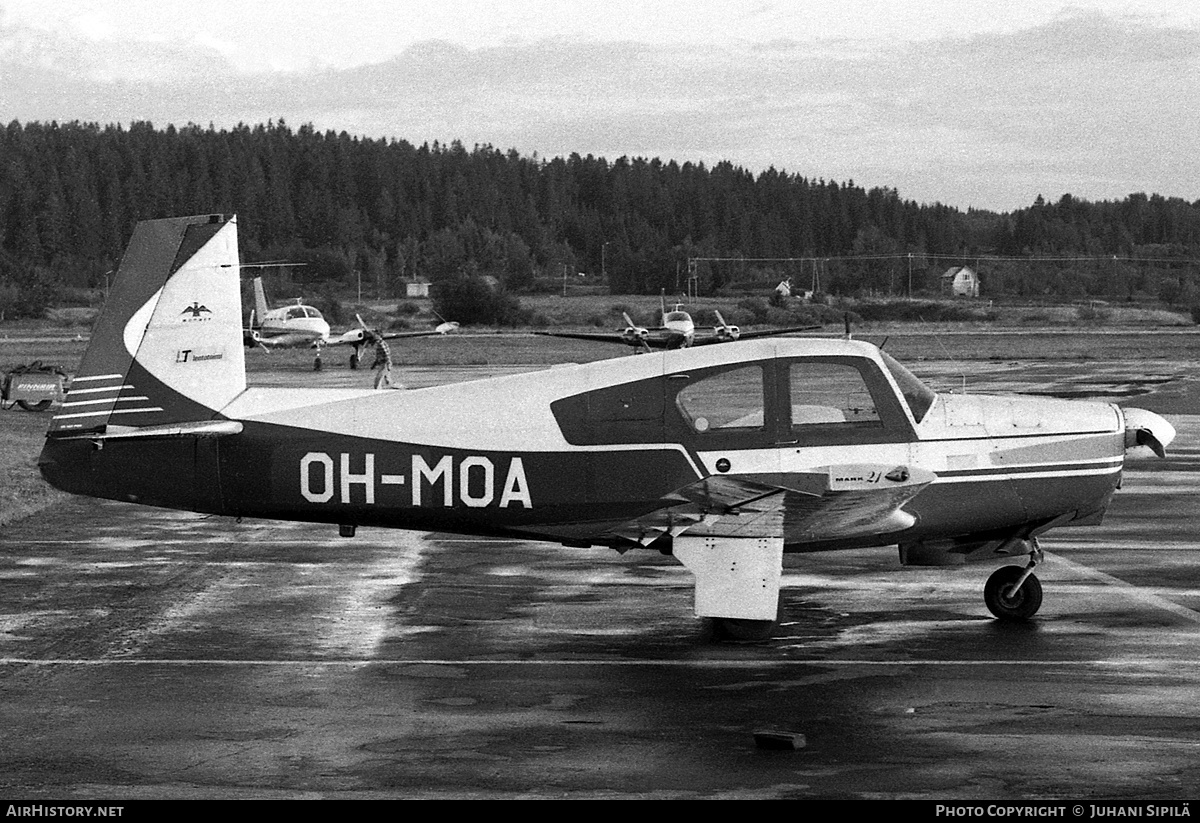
{"points": [[1128, 589]]}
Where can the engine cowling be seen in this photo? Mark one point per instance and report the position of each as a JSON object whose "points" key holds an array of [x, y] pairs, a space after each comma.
{"points": [[728, 334], [634, 335]]}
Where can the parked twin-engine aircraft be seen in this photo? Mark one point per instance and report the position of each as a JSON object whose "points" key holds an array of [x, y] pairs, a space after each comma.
{"points": [[725, 457], [299, 325], [677, 331], [286, 326]]}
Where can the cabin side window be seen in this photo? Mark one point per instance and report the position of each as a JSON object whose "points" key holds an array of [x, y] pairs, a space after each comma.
{"points": [[917, 395], [729, 400], [830, 395]]}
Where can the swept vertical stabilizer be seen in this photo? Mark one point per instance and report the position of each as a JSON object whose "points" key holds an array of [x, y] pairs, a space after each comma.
{"points": [[168, 346], [260, 302]]}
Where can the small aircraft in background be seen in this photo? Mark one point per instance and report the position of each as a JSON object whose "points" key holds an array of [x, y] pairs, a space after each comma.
{"points": [[290, 326], [722, 457], [299, 325], [677, 331]]}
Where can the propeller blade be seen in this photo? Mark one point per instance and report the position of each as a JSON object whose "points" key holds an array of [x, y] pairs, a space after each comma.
{"points": [[1145, 428]]}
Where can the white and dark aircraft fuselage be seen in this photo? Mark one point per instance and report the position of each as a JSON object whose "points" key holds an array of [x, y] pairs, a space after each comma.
{"points": [[725, 456]]}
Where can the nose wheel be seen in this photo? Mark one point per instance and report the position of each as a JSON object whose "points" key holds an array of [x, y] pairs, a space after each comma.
{"points": [[1014, 593]]}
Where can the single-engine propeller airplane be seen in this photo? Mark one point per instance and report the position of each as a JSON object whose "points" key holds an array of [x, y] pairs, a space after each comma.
{"points": [[677, 331], [724, 457], [298, 325]]}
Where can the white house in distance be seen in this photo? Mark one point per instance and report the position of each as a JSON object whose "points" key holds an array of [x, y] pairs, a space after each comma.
{"points": [[960, 281], [416, 288]]}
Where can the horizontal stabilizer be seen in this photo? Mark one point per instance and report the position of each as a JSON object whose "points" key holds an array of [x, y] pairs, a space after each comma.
{"points": [[201, 428]]}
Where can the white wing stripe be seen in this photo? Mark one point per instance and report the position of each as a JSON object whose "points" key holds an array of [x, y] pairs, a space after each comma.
{"points": [[106, 400], [107, 411]]}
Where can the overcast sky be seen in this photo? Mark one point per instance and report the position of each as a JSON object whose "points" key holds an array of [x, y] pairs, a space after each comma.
{"points": [[967, 102]]}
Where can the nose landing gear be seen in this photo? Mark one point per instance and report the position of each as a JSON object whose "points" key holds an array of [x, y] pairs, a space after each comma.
{"points": [[1014, 593]]}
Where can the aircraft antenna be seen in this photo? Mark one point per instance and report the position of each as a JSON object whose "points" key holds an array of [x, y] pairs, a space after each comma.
{"points": [[949, 355], [269, 264]]}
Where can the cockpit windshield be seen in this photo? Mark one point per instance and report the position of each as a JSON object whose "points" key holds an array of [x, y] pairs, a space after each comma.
{"points": [[917, 395]]}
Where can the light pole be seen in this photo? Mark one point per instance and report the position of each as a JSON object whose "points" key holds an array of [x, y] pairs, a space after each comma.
{"points": [[604, 261]]}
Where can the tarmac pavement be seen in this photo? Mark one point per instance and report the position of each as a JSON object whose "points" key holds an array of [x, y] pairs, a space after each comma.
{"points": [[156, 654]]}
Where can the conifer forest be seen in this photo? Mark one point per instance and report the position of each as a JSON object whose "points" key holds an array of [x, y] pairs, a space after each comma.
{"points": [[382, 211]]}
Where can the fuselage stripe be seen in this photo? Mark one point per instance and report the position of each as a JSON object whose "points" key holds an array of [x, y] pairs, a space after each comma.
{"points": [[106, 400], [1030, 475], [99, 377], [107, 411], [1037, 468], [100, 389], [984, 437]]}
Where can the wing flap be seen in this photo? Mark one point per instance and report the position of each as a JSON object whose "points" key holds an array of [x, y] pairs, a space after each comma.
{"points": [[826, 503]]}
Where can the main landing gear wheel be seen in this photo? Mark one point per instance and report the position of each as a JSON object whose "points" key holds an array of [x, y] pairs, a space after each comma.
{"points": [[741, 630], [353, 361], [1007, 602], [34, 406]]}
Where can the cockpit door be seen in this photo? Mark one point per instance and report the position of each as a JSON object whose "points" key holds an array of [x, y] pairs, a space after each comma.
{"points": [[728, 415]]}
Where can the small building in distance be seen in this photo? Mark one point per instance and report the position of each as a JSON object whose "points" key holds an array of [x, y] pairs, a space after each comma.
{"points": [[960, 281], [416, 288]]}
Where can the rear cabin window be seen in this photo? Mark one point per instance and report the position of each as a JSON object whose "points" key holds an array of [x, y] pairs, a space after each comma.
{"points": [[727, 401], [830, 396]]}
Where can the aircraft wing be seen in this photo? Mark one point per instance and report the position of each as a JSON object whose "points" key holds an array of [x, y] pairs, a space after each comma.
{"points": [[711, 337], [392, 335], [350, 339], [656, 338], [831, 502], [358, 337]]}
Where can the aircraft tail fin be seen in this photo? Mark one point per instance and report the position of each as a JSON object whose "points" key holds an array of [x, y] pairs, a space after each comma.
{"points": [[260, 302], [168, 346]]}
